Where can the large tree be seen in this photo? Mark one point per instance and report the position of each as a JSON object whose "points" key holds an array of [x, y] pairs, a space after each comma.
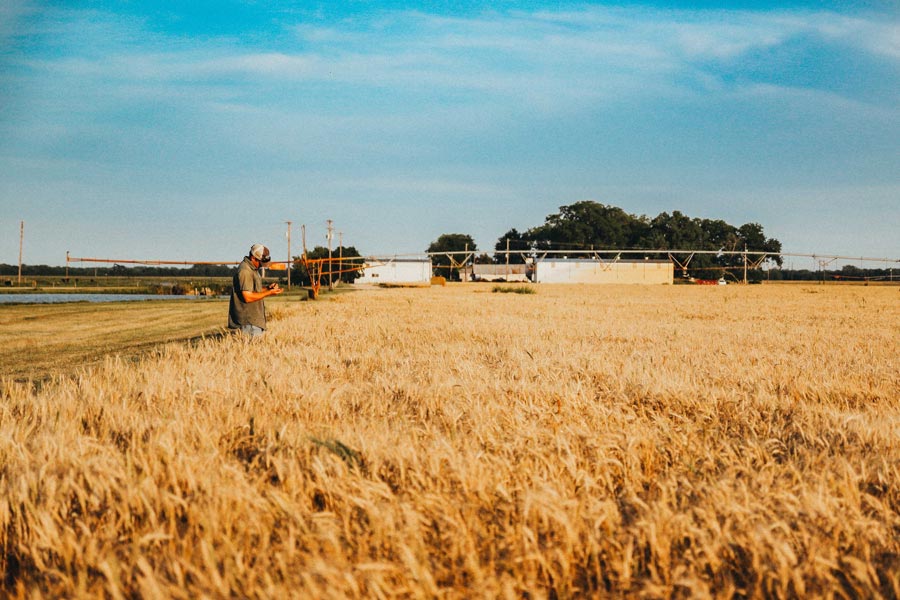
{"points": [[513, 241], [587, 224], [590, 225], [449, 251], [581, 226]]}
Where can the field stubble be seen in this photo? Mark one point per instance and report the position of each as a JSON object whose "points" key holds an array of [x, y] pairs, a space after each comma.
{"points": [[581, 441]]}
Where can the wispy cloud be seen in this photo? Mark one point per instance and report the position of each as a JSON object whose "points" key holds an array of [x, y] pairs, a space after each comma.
{"points": [[545, 58], [410, 82], [504, 106], [12, 13]]}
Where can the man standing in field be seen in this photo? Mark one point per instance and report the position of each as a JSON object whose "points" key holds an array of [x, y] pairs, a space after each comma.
{"points": [[246, 310]]}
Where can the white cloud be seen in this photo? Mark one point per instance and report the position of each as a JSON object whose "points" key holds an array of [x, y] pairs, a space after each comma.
{"points": [[881, 38], [606, 52], [272, 64], [821, 100], [545, 58]]}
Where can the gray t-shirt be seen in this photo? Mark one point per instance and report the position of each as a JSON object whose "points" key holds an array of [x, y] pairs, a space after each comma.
{"points": [[241, 312]]}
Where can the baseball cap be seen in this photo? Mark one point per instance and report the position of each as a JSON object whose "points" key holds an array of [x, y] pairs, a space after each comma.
{"points": [[260, 253]]}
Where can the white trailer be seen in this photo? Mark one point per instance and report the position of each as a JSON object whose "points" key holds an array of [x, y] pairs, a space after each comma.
{"points": [[595, 270], [396, 270]]}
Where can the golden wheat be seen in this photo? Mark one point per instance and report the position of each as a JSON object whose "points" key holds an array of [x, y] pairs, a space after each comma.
{"points": [[580, 441]]}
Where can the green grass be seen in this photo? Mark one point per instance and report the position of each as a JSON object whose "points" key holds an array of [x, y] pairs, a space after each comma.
{"points": [[521, 289]]}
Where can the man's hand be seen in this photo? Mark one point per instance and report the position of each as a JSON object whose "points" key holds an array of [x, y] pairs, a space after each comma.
{"points": [[271, 290]]}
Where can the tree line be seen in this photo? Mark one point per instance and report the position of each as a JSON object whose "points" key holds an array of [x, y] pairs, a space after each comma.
{"points": [[117, 270], [301, 277], [589, 225], [299, 274], [579, 227]]}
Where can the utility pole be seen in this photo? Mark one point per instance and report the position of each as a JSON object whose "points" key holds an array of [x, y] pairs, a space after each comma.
{"points": [[745, 264], [289, 255], [303, 253], [329, 235], [340, 253], [465, 261], [507, 259], [21, 241]]}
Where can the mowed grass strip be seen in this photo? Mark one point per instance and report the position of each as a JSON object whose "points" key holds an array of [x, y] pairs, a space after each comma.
{"points": [[40, 340]]}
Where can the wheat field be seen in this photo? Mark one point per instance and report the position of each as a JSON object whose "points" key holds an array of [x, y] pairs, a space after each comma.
{"points": [[582, 441]]}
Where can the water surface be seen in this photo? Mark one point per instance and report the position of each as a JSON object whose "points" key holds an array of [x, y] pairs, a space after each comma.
{"points": [[60, 298]]}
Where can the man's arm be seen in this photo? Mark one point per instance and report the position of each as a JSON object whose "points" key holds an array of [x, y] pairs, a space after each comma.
{"points": [[271, 290]]}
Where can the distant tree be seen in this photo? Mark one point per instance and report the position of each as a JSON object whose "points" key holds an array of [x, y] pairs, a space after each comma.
{"points": [[516, 243], [593, 224], [678, 231], [456, 245], [211, 270], [345, 270], [754, 239], [350, 269], [588, 225], [32, 270]]}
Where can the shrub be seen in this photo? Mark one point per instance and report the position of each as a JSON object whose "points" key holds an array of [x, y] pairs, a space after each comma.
{"points": [[521, 289]]}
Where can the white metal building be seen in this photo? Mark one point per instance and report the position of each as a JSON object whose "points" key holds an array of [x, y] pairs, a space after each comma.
{"points": [[556, 270], [494, 272], [396, 270]]}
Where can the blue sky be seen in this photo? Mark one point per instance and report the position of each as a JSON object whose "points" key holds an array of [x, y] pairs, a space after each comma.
{"points": [[189, 130]]}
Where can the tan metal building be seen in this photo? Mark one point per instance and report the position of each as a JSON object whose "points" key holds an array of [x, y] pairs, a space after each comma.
{"points": [[555, 270]]}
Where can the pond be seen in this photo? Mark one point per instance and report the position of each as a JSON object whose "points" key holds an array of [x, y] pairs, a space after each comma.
{"points": [[60, 298]]}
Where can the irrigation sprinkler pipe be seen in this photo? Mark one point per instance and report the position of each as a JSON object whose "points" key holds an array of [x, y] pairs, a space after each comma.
{"points": [[543, 254], [363, 262], [151, 262]]}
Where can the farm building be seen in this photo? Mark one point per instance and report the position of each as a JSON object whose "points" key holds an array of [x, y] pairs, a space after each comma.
{"points": [[554, 270], [493, 272], [396, 270]]}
